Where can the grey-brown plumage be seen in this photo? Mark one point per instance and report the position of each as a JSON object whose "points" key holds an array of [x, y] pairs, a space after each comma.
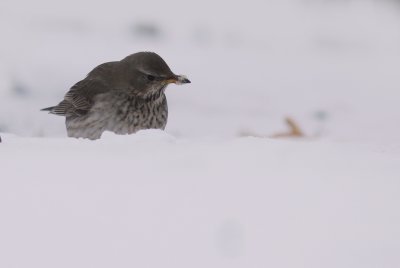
{"points": [[121, 96]]}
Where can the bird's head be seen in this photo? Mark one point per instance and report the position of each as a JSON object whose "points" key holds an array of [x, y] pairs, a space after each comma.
{"points": [[148, 74]]}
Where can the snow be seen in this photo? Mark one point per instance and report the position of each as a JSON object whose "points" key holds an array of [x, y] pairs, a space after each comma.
{"points": [[214, 189], [151, 199]]}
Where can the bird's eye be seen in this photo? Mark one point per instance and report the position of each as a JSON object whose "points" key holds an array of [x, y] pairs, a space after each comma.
{"points": [[150, 77]]}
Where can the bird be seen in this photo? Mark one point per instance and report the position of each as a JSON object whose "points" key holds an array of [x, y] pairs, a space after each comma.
{"points": [[120, 96]]}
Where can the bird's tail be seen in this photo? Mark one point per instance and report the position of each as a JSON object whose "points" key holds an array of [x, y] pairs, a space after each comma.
{"points": [[60, 109], [48, 109]]}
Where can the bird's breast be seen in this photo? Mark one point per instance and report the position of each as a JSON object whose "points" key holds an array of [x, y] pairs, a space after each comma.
{"points": [[125, 114]]}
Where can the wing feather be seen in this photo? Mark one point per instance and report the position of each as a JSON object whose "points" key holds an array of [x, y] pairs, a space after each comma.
{"points": [[79, 99]]}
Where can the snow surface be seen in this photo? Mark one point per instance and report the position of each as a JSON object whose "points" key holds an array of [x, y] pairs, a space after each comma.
{"points": [[151, 200], [212, 190]]}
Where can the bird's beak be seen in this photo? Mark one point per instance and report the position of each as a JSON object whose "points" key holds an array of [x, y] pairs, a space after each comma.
{"points": [[178, 79]]}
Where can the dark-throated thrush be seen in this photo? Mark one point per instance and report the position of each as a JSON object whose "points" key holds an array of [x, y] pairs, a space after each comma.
{"points": [[120, 96]]}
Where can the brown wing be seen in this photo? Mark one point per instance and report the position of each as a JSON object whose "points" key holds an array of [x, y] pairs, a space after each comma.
{"points": [[79, 99]]}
